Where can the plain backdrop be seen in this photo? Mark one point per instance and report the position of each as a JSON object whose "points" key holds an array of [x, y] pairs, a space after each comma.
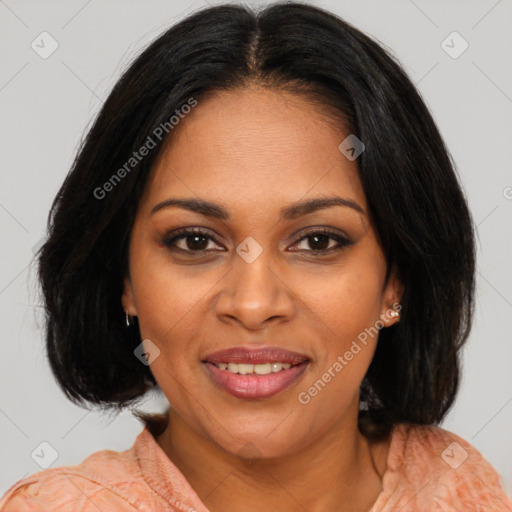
{"points": [[48, 103]]}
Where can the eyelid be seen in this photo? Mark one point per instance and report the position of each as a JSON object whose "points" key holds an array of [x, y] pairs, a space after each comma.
{"points": [[181, 233], [341, 238], [324, 230]]}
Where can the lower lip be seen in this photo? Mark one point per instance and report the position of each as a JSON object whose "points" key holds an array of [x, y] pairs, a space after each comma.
{"points": [[253, 385]]}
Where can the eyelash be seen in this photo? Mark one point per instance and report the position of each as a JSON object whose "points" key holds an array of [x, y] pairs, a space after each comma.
{"points": [[186, 232]]}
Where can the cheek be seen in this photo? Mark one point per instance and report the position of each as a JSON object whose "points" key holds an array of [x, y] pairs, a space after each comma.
{"points": [[346, 351], [348, 302], [167, 301]]}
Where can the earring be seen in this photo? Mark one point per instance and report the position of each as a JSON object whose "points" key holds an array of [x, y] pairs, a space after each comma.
{"points": [[127, 320], [394, 313]]}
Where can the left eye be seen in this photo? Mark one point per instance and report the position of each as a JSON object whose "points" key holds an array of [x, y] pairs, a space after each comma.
{"points": [[319, 241], [196, 241]]}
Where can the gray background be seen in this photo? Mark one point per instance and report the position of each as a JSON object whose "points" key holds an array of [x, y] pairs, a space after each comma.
{"points": [[47, 104]]}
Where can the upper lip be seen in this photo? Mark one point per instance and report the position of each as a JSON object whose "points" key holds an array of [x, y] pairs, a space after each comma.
{"points": [[258, 355]]}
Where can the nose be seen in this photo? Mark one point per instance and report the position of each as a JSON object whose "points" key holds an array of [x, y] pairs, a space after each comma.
{"points": [[255, 294]]}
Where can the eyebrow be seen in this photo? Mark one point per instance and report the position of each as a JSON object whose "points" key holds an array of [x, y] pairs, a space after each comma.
{"points": [[292, 211]]}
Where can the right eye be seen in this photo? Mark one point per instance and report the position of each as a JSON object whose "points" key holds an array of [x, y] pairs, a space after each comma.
{"points": [[195, 240]]}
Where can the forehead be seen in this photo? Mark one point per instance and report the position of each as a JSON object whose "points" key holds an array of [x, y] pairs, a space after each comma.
{"points": [[255, 145]]}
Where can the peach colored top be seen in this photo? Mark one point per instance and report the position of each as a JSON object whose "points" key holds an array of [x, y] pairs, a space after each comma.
{"points": [[428, 469]]}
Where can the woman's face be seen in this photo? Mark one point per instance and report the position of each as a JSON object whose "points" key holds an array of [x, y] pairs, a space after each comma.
{"points": [[259, 281]]}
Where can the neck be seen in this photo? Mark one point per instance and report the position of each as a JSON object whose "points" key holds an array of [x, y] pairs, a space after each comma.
{"points": [[339, 471]]}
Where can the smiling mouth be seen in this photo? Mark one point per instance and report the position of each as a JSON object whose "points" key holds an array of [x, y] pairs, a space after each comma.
{"points": [[255, 369], [242, 380]]}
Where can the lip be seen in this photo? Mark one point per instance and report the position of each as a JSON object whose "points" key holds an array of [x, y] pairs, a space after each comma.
{"points": [[258, 355], [255, 386]]}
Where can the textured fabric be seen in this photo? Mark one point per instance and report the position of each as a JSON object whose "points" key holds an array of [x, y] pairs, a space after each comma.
{"points": [[428, 469]]}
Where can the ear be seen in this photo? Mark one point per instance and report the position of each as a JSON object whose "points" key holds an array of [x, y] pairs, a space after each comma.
{"points": [[127, 298], [391, 298]]}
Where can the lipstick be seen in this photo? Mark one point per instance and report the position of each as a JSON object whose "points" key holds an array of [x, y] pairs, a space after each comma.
{"points": [[282, 369]]}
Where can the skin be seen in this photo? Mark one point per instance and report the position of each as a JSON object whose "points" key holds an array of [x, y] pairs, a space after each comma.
{"points": [[255, 150]]}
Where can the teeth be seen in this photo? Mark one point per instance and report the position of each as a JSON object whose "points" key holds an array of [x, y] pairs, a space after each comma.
{"points": [[263, 369], [259, 369], [245, 368]]}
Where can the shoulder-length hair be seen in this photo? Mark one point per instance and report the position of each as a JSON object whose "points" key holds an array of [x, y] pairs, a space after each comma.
{"points": [[409, 178]]}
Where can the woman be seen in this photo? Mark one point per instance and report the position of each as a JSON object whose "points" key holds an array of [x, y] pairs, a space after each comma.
{"points": [[265, 224]]}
